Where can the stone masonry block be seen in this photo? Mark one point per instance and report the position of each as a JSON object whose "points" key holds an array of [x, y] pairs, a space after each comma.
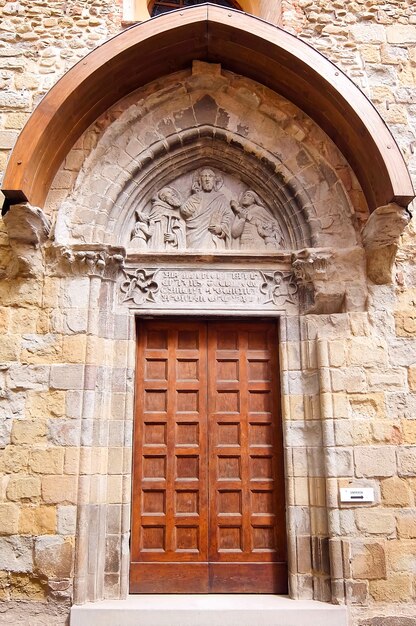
{"points": [[401, 405], [67, 519], [411, 378], [366, 32], [23, 488], [339, 461], [387, 379], [74, 348], [16, 554], [396, 491], [401, 33], [75, 293], [28, 431], [37, 520], [367, 352], [402, 555], [64, 432], [409, 431], [397, 588], [49, 461], [368, 560], [67, 376], [45, 404], [406, 524], [406, 458], [375, 521], [14, 459], [59, 489], [54, 557], [29, 377], [25, 587], [9, 516], [9, 347], [375, 461], [367, 406], [384, 620]]}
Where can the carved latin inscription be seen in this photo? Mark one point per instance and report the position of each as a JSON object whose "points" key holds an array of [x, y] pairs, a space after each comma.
{"points": [[203, 213], [216, 289]]}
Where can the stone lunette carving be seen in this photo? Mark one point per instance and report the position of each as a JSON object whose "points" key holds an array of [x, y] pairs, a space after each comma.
{"points": [[381, 236], [28, 229], [205, 220]]}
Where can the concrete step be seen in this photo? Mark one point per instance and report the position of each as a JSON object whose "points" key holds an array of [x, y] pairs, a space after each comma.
{"points": [[208, 610]]}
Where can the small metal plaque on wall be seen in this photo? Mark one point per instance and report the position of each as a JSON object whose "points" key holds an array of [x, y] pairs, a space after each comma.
{"points": [[356, 494]]}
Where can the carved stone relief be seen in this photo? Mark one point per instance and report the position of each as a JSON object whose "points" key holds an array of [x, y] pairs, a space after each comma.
{"points": [[28, 228], [201, 212], [228, 289]]}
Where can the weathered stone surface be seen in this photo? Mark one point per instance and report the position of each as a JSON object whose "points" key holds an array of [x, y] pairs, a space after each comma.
{"points": [[53, 557], [375, 461], [368, 560], [375, 522], [59, 489], [47, 461], [396, 491], [16, 554], [397, 588], [66, 520], [23, 488], [9, 515], [37, 520]]}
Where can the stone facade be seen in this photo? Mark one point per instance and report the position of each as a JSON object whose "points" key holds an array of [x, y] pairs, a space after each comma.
{"points": [[68, 300]]}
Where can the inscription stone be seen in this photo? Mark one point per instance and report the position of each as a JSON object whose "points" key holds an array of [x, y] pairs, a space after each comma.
{"points": [[214, 288]]}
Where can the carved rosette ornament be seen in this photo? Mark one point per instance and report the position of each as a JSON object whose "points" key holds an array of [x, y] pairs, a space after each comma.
{"points": [[139, 286], [381, 236]]}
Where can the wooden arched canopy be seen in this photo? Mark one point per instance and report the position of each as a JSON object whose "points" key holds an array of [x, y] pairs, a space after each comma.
{"points": [[241, 43]]}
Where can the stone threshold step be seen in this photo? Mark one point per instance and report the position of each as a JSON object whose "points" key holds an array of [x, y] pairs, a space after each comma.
{"points": [[208, 610]]}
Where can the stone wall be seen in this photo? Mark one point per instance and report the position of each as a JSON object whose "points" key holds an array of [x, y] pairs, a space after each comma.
{"points": [[349, 379]]}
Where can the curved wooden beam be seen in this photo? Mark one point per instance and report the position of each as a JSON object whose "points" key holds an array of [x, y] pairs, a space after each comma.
{"points": [[242, 44]]}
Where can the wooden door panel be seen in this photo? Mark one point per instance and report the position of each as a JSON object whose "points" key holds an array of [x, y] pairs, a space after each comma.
{"points": [[246, 477], [208, 504], [170, 492]]}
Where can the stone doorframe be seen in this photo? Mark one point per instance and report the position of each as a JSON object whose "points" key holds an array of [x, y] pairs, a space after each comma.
{"points": [[91, 281], [104, 391]]}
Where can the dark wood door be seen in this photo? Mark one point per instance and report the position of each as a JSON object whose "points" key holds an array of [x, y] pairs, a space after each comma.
{"points": [[208, 512]]}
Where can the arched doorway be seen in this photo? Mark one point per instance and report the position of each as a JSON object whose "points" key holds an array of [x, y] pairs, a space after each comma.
{"points": [[247, 121]]}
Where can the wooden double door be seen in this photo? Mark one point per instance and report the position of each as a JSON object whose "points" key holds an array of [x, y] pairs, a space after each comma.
{"points": [[208, 483]]}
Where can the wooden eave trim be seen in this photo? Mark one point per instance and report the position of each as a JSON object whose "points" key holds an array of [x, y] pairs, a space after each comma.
{"points": [[241, 43]]}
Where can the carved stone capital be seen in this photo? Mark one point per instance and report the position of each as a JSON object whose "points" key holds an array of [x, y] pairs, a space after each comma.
{"points": [[310, 265], [28, 228], [330, 281], [381, 236], [104, 262]]}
